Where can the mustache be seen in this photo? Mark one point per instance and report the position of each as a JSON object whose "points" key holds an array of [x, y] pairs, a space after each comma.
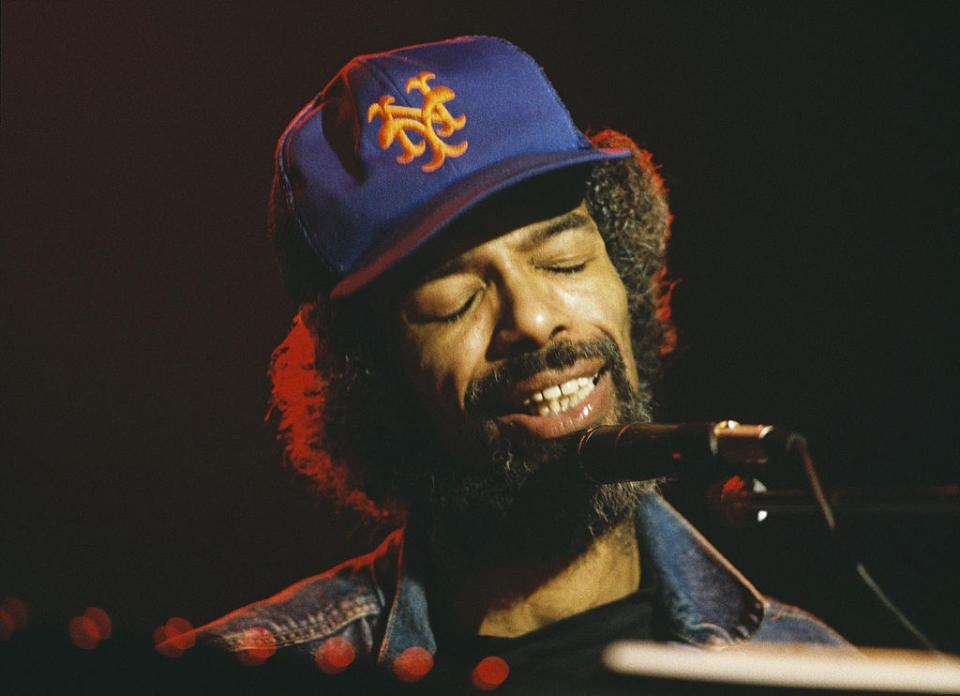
{"points": [[490, 389]]}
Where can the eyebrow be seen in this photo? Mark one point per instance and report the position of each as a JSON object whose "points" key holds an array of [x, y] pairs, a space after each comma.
{"points": [[570, 221]]}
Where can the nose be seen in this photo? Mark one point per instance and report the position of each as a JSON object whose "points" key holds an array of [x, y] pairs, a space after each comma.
{"points": [[530, 316]]}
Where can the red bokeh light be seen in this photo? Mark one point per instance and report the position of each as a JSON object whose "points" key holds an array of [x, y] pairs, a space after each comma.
{"points": [[490, 673], [413, 664], [84, 632], [261, 645], [88, 630], [180, 632], [335, 655], [162, 646], [16, 609], [7, 625], [101, 619], [174, 637]]}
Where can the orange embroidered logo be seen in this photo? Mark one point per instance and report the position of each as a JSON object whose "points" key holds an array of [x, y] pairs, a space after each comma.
{"points": [[397, 120]]}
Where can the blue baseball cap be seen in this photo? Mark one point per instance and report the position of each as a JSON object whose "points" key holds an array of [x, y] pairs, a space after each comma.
{"points": [[400, 144]]}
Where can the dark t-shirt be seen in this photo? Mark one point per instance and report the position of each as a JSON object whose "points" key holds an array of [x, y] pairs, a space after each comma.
{"points": [[566, 651]]}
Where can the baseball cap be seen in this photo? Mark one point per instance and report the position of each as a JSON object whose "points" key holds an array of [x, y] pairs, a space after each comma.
{"points": [[400, 144]]}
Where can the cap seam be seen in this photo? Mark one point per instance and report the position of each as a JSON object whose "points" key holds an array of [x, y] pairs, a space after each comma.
{"points": [[553, 92], [283, 166], [404, 95]]}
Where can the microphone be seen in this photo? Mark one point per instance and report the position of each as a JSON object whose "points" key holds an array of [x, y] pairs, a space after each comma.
{"points": [[641, 451]]}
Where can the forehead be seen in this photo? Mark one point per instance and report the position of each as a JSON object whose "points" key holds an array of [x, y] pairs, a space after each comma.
{"points": [[547, 199], [522, 240]]}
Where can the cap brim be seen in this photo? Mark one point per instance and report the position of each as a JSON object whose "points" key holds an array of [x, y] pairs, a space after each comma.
{"points": [[438, 212]]}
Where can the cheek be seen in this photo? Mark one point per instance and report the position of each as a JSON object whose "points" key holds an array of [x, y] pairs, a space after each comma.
{"points": [[600, 299], [601, 302], [620, 314], [442, 366]]}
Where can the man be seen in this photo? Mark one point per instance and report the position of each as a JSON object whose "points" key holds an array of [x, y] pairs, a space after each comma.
{"points": [[478, 284]]}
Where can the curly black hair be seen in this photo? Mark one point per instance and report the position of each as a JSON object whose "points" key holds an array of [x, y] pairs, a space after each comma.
{"points": [[345, 415]]}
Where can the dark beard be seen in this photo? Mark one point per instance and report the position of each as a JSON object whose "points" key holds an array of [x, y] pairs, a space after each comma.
{"points": [[528, 503]]}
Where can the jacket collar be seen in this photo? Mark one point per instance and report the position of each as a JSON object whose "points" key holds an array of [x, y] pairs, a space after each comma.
{"points": [[705, 599]]}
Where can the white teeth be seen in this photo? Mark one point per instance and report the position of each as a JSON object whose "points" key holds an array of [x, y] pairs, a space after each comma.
{"points": [[552, 392], [560, 397]]}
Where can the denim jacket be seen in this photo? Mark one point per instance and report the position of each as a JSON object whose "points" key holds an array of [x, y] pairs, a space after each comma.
{"points": [[379, 603]]}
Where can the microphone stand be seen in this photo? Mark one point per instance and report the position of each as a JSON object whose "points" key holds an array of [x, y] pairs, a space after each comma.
{"points": [[640, 451], [797, 447], [744, 502]]}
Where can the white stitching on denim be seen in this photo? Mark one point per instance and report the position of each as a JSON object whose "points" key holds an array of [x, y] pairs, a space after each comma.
{"points": [[325, 622]]}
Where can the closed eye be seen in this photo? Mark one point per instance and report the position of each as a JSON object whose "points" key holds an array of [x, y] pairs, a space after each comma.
{"points": [[566, 269], [449, 318]]}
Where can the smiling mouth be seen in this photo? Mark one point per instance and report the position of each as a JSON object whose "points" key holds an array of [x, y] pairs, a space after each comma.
{"points": [[562, 397]]}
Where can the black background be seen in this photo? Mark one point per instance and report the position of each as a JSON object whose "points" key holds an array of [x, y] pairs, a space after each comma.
{"points": [[810, 150]]}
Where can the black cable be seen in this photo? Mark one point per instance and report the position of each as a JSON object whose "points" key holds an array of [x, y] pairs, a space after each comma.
{"points": [[797, 444]]}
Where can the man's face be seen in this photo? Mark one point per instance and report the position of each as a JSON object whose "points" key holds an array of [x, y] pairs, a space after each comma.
{"points": [[519, 329]]}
